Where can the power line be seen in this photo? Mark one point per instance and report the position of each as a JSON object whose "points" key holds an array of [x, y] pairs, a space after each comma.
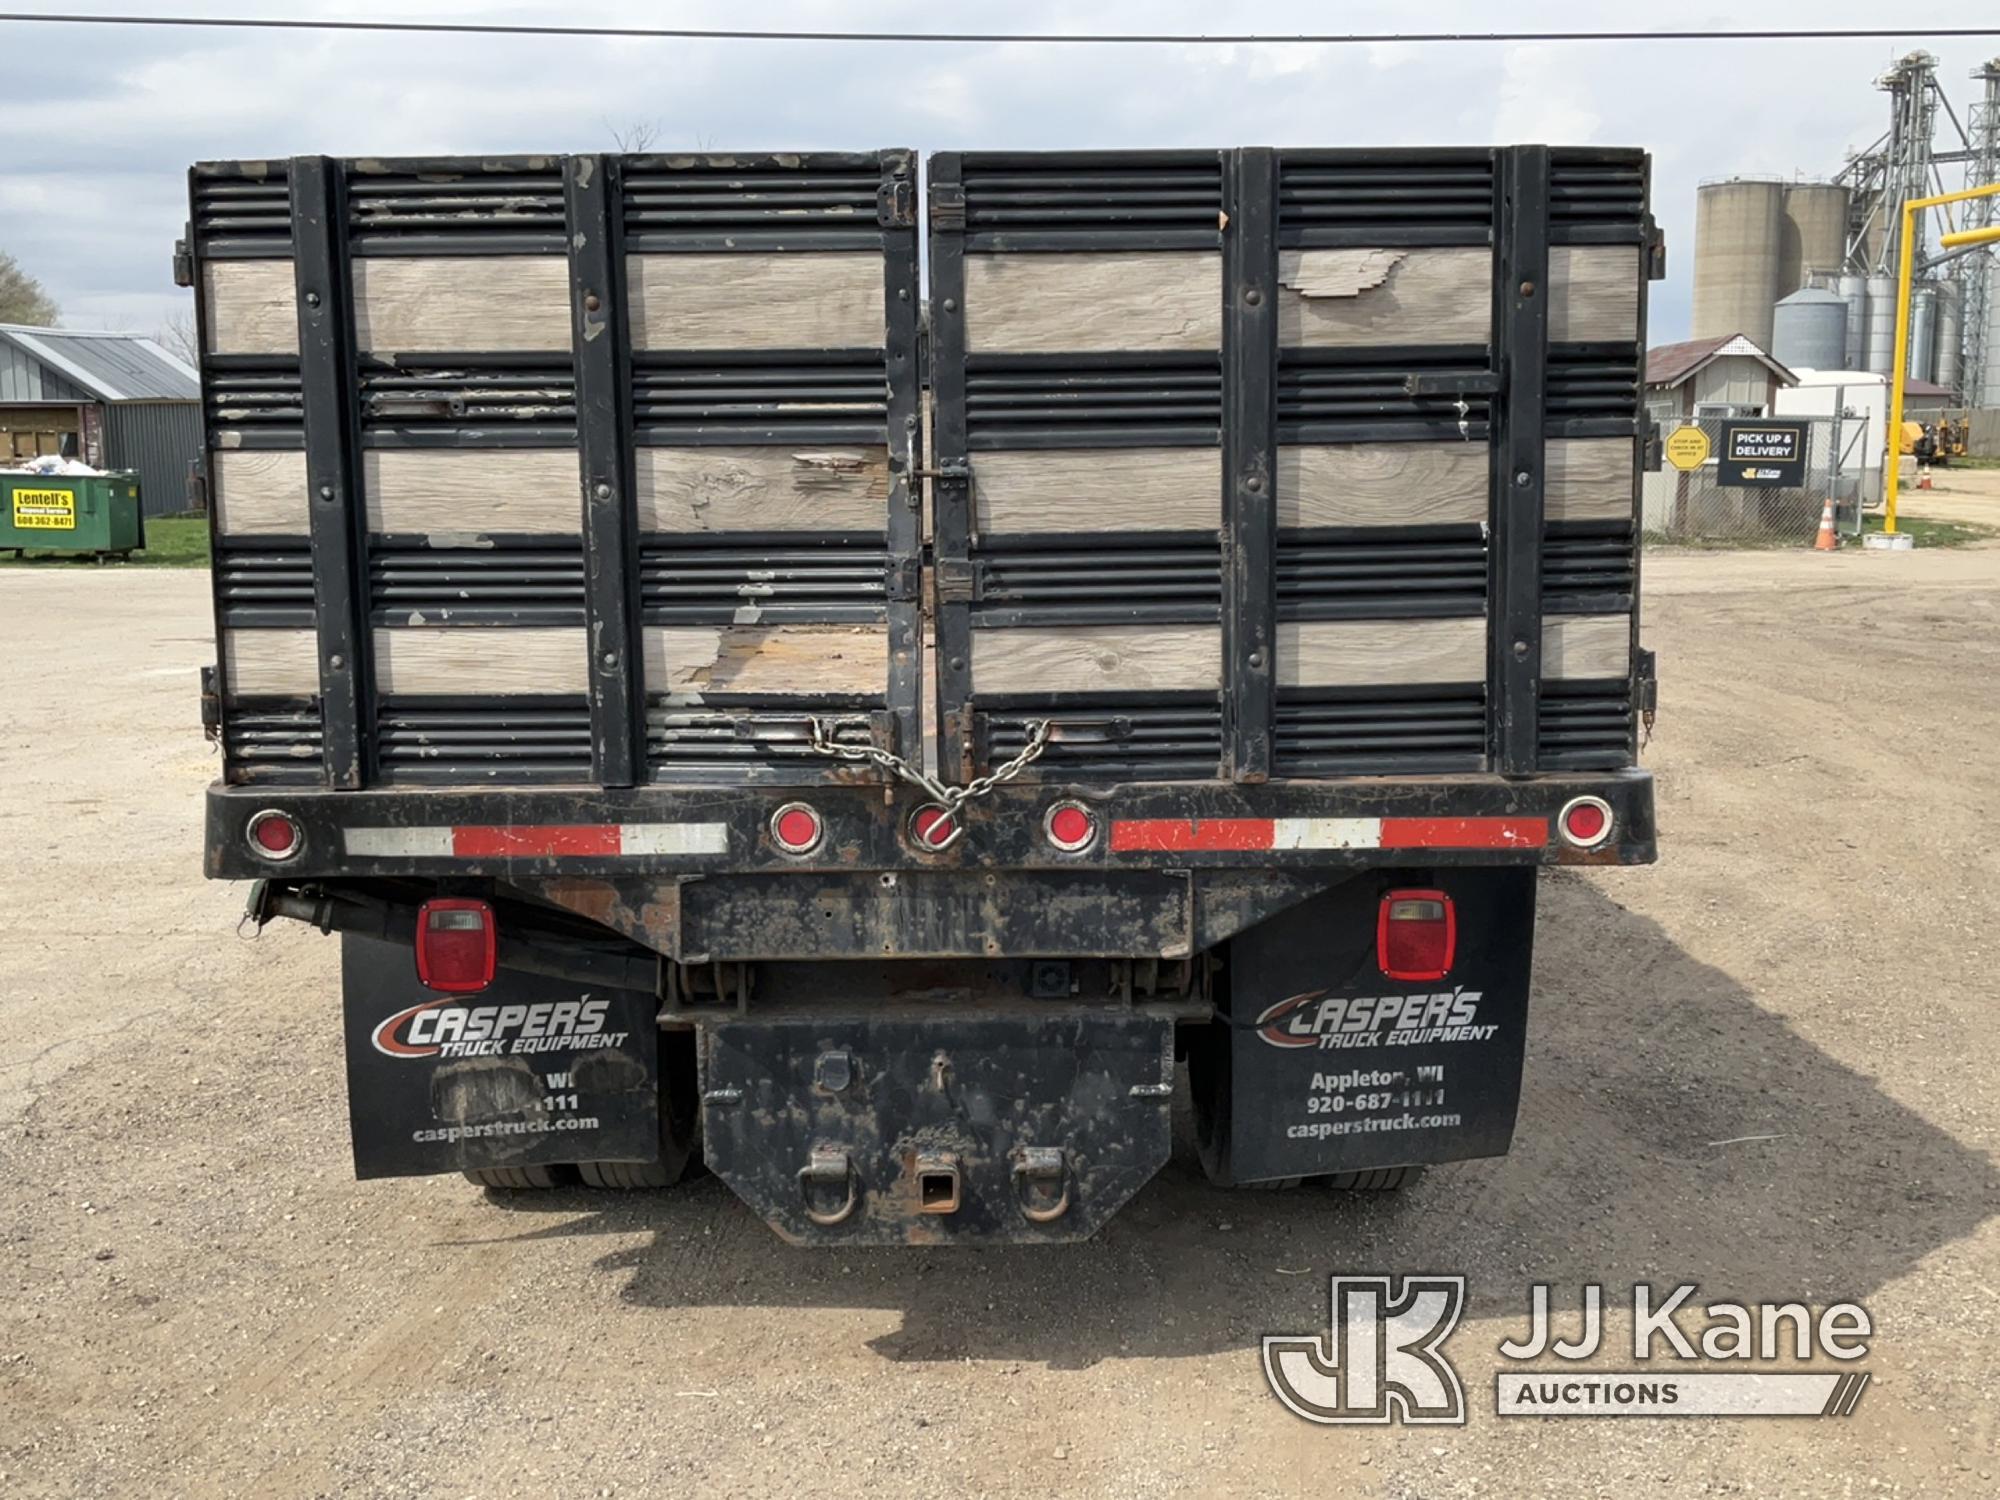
{"points": [[1087, 39]]}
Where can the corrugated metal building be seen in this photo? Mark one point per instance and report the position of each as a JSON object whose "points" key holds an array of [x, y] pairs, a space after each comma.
{"points": [[115, 401]]}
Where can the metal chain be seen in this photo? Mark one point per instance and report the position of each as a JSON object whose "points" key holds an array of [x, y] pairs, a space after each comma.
{"points": [[950, 798]]}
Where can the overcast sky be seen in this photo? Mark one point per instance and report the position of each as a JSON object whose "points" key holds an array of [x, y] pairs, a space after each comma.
{"points": [[93, 189]]}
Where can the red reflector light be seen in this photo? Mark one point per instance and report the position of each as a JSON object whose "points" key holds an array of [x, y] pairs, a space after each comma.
{"points": [[1070, 826], [796, 828], [1416, 935], [1586, 822], [932, 827], [274, 835], [457, 941]]}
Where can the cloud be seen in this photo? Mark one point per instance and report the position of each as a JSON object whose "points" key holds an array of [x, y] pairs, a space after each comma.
{"points": [[93, 194]]}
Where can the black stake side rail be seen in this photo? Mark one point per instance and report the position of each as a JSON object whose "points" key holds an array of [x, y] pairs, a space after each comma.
{"points": [[1250, 459], [867, 827], [1521, 329]]}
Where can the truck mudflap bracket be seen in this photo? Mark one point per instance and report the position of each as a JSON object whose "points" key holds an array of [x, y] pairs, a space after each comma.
{"points": [[1325, 1065], [530, 1071], [1012, 1124]]}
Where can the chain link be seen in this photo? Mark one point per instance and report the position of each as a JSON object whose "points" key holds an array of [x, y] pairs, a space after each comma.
{"points": [[951, 798]]}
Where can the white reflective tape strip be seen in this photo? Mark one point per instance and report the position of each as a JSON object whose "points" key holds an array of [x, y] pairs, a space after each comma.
{"points": [[1326, 833], [399, 843], [674, 838]]}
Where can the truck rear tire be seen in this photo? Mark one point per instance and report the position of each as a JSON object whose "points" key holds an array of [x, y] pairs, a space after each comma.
{"points": [[517, 1179], [680, 1126]]}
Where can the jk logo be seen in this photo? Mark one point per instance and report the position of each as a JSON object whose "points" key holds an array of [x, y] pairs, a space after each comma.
{"points": [[1380, 1360]]}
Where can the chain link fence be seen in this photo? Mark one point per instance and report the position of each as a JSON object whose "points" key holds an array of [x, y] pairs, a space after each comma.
{"points": [[1701, 507]]}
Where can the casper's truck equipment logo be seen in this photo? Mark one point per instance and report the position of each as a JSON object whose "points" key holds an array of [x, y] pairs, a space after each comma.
{"points": [[446, 1028], [1317, 1019]]}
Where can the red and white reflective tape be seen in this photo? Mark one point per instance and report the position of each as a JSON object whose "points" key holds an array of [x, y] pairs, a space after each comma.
{"points": [[537, 840], [1176, 835]]}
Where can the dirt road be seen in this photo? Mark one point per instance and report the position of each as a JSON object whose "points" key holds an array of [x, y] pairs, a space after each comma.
{"points": [[195, 1298]]}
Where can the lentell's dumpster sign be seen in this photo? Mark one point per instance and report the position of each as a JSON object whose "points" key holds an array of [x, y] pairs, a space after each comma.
{"points": [[1763, 455]]}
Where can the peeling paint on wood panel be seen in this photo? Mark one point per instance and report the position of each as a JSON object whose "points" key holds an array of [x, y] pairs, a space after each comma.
{"points": [[1380, 653], [434, 304], [252, 306], [1589, 479], [454, 491], [277, 663], [1593, 294], [1586, 646], [259, 491], [1098, 489], [1085, 302], [762, 489], [1383, 484], [1345, 299], [688, 661], [1097, 658], [828, 300], [480, 661]]}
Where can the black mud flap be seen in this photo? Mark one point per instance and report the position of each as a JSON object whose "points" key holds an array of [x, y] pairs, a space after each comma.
{"points": [[960, 1129], [530, 1071], [1328, 1066]]}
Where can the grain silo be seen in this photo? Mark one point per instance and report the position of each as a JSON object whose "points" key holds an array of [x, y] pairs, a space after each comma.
{"points": [[1738, 238], [1853, 291], [1923, 331], [1950, 333], [1812, 233], [1809, 330], [1878, 350]]}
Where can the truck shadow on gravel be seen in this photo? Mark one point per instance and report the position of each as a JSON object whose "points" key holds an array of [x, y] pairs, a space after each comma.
{"points": [[1641, 1061]]}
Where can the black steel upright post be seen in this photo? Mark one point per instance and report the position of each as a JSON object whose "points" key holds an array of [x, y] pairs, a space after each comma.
{"points": [[902, 296], [601, 347], [1249, 457], [951, 491], [330, 399], [1521, 332]]}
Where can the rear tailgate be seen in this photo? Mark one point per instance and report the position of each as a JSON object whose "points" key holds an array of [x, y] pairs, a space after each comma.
{"points": [[546, 469], [1298, 464]]}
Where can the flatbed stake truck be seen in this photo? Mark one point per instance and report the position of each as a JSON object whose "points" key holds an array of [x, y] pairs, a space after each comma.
{"points": [[876, 725]]}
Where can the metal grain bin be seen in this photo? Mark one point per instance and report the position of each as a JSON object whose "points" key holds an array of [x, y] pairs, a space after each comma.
{"points": [[1809, 330], [71, 513]]}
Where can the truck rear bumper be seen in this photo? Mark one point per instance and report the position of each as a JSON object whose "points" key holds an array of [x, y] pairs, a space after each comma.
{"points": [[661, 831]]}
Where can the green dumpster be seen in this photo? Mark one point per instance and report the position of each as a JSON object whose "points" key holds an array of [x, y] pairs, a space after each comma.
{"points": [[71, 513]]}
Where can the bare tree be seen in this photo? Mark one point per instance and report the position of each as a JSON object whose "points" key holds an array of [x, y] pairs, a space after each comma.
{"points": [[177, 336], [22, 298], [637, 137]]}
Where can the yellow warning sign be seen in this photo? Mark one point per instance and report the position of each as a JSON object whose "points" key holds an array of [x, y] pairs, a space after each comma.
{"points": [[45, 510], [1687, 448]]}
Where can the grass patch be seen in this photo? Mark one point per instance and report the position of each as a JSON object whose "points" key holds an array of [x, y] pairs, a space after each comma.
{"points": [[1935, 533], [171, 542]]}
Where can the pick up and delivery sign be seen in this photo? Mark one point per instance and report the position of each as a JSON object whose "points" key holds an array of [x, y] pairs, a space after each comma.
{"points": [[1763, 455]]}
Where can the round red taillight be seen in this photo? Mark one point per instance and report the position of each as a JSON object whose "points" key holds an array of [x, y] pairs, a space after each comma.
{"points": [[274, 835], [1070, 827], [933, 827], [796, 828], [1586, 822]]}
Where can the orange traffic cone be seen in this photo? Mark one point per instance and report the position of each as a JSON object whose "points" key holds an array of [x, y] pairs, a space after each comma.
{"points": [[1826, 541], [1923, 476]]}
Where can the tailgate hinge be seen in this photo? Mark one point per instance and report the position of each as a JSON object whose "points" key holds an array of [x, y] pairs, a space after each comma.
{"points": [[1649, 447], [957, 581], [948, 207], [906, 579], [896, 204], [184, 259], [1646, 694], [1656, 251]]}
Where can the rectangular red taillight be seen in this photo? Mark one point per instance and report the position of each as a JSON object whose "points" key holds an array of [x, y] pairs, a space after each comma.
{"points": [[1416, 935], [457, 940]]}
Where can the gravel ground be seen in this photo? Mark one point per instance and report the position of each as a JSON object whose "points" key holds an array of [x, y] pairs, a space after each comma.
{"points": [[195, 1298]]}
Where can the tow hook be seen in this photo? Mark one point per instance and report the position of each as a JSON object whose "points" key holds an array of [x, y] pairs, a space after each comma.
{"points": [[1041, 1182], [828, 1178]]}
